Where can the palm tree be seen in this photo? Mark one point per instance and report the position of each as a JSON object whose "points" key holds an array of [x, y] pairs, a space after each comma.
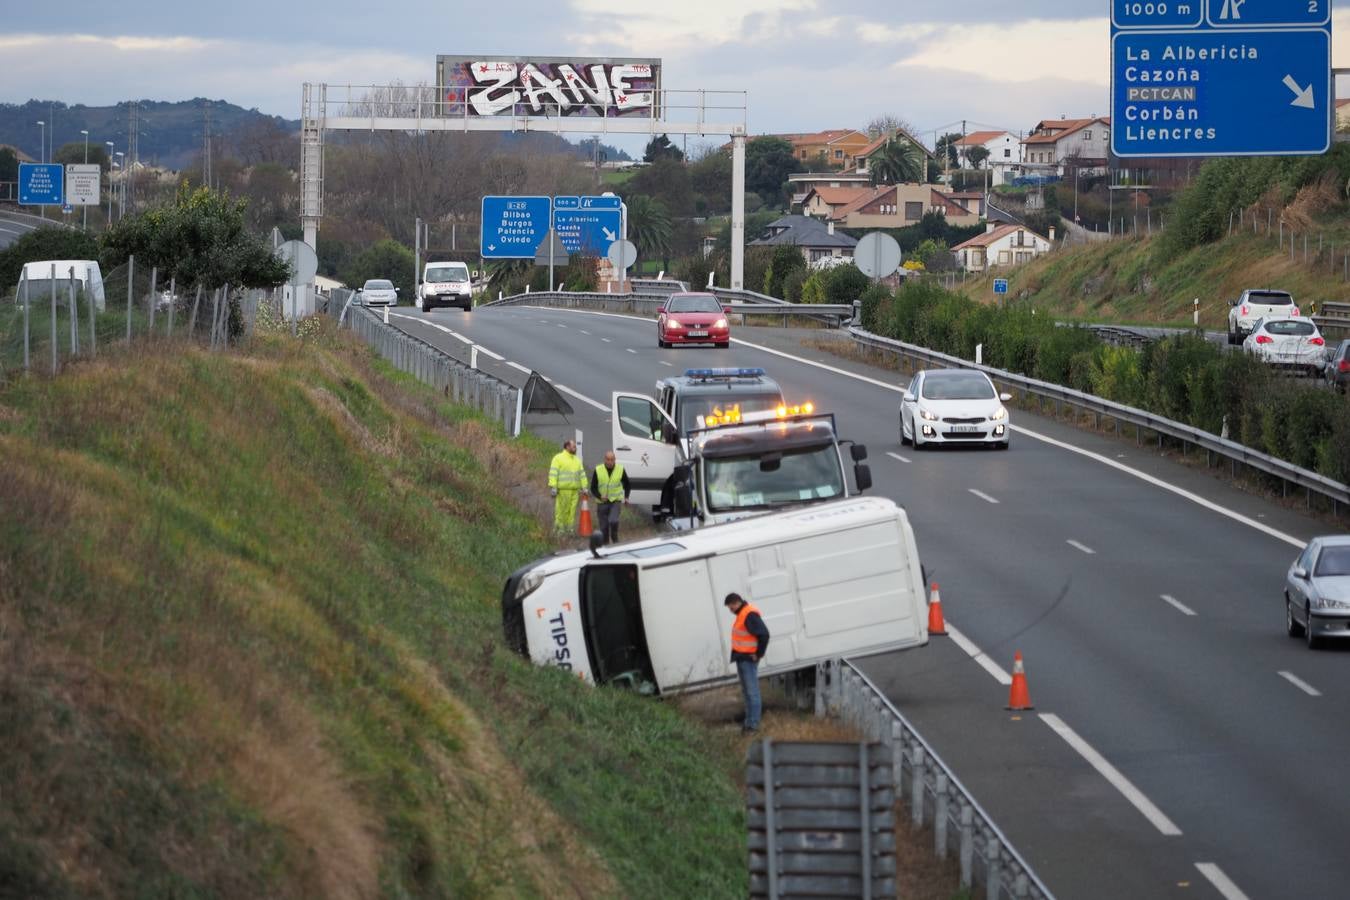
{"points": [[649, 226], [898, 161]]}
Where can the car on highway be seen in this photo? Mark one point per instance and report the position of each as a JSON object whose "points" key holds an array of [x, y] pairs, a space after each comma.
{"points": [[1337, 370], [953, 406], [1293, 343], [377, 292], [445, 284], [1317, 590], [1257, 304], [692, 318]]}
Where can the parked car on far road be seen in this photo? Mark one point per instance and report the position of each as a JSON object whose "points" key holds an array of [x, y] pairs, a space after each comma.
{"points": [[378, 292], [1288, 343], [1337, 370], [1317, 590]]}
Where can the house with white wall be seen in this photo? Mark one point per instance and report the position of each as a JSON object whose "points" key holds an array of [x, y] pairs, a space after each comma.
{"points": [[1053, 142], [1005, 153], [1001, 246]]}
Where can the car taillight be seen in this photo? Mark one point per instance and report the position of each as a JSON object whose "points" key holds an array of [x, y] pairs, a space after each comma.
{"points": [[1295, 312], [1244, 310], [1318, 342], [1343, 366], [1264, 339]]}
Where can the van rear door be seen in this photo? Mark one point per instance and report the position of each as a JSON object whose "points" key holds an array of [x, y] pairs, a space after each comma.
{"points": [[644, 441]]}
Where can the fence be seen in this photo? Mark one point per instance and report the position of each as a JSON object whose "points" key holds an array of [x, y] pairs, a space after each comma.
{"points": [[1314, 249], [467, 386], [932, 793], [1237, 454], [48, 322]]}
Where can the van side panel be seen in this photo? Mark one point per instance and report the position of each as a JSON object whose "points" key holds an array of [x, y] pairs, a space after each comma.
{"points": [[685, 637], [761, 576], [853, 586]]}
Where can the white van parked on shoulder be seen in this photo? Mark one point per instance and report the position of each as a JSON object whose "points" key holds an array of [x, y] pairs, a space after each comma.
{"points": [[38, 275], [831, 580]]}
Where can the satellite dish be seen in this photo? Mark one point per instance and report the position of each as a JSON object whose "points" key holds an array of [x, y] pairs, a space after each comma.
{"points": [[303, 260], [622, 254], [877, 255]]}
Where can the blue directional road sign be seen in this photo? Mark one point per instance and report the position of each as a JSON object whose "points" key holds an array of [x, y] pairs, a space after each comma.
{"points": [[42, 184], [513, 226], [1000, 285], [1221, 78], [588, 224]]}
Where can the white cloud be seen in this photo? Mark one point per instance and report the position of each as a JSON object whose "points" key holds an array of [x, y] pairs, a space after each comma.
{"points": [[874, 33], [1077, 50], [689, 24]]}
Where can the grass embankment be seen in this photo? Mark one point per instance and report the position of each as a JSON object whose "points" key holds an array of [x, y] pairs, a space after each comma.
{"points": [[250, 646], [1121, 282]]}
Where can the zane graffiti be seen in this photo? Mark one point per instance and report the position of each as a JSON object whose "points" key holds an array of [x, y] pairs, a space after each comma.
{"points": [[548, 88]]}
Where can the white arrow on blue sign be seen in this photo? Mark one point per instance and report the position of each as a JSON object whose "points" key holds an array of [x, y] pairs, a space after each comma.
{"points": [[587, 225], [1221, 78], [1000, 285], [512, 227]]}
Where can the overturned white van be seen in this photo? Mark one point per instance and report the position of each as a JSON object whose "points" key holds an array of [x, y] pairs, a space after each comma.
{"points": [[836, 579], [38, 278]]}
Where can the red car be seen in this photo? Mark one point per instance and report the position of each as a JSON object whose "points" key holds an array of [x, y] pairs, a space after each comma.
{"points": [[692, 319]]}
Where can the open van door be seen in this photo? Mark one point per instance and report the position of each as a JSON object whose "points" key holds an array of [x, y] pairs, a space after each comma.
{"points": [[646, 444]]}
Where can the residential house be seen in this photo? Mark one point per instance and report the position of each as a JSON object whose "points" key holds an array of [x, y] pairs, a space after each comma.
{"points": [[817, 240], [863, 158], [973, 201], [833, 149], [1001, 246], [1053, 142], [1005, 153], [801, 183], [899, 206], [825, 202]]}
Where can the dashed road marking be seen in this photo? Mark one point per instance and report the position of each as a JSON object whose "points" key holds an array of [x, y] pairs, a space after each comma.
{"points": [[1084, 547], [978, 655], [1185, 610], [983, 496], [1222, 883], [1300, 684], [1112, 774], [903, 459]]}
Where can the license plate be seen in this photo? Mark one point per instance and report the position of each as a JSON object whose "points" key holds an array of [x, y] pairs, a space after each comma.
{"points": [[963, 429], [698, 334]]}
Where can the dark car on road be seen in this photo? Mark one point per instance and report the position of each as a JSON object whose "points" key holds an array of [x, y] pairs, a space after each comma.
{"points": [[1337, 369]]}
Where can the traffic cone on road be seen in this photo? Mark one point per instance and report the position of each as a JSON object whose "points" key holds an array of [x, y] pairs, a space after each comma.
{"points": [[1019, 697], [584, 524], [936, 624]]}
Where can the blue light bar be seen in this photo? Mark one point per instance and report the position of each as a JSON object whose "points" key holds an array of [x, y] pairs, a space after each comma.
{"points": [[723, 373]]}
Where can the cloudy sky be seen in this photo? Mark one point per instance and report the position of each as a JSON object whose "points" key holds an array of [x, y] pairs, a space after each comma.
{"points": [[806, 64]]}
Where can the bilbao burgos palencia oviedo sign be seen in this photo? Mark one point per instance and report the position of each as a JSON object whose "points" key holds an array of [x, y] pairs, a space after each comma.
{"points": [[557, 86]]}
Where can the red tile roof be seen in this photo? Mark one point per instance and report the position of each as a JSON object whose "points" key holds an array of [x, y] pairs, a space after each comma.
{"points": [[989, 237], [1061, 128], [979, 138], [837, 196]]}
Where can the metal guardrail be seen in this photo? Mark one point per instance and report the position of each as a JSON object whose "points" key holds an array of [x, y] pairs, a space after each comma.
{"points": [[923, 782], [657, 285], [1333, 315], [498, 399], [1236, 453]]}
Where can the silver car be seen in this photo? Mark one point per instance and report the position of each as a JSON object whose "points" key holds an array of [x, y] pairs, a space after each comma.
{"points": [[1317, 590], [379, 292]]}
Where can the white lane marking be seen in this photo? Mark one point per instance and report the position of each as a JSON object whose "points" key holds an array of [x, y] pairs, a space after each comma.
{"points": [[983, 496], [1185, 610], [516, 365], [607, 340], [1111, 774], [582, 397], [1077, 546], [1097, 457], [488, 353], [1222, 883], [1300, 684], [978, 655], [903, 459], [429, 324], [630, 350], [584, 331], [664, 363]]}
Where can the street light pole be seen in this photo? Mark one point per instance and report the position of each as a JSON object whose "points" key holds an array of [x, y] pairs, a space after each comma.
{"points": [[85, 131], [122, 186], [110, 145]]}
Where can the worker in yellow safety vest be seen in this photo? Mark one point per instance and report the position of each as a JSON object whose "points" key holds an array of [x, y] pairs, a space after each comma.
{"points": [[566, 476], [610, 488]]}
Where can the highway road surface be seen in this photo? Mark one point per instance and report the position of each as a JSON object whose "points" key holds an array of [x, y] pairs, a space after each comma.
{"points": [[1181, 744]]}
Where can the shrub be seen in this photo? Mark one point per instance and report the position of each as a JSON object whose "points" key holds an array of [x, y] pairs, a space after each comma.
{"points": [[845, 284], [1119, 376], [792, 285], [786, 259], [876, 307], [1057, 348], [813, 289]]}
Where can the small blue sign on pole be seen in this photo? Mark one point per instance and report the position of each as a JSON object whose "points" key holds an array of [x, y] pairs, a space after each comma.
{"points": [[512, 227], [1000, 285], [588, 225], [1221, 78], [42, 184]]}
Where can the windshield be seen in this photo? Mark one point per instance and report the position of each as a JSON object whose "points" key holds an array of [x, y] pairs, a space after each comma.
{"points": [[1334, 561], [1270, 298], [694, 303], [378, 284], [447, 273], [612, 612], [693, 407], [957, 386], [802, 476], [1289, 326]]}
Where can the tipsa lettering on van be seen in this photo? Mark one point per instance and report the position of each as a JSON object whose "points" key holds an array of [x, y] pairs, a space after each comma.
{"points": [[561, 652]]}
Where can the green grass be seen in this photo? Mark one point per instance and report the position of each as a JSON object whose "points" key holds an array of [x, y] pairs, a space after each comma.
{"points": [[250, 645]]}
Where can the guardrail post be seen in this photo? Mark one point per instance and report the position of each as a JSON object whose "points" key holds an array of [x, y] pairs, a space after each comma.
{"points": [[967, 851], [916, 791], [898, 758], [993, 869], [940, 815]]}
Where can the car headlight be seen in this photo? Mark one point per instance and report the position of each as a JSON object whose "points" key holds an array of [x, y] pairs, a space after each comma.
{"points": [[1328, 603], [1000, 414], [720, 323], [928, 416], [529, 583], [674, 323]]}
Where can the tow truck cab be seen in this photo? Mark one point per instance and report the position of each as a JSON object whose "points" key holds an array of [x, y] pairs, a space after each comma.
{"points": [[831, 580]]}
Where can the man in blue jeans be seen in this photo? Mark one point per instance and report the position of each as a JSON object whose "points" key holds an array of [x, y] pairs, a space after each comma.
{"points": [[749, 641]]}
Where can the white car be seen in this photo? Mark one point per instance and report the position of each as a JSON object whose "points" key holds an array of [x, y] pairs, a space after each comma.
{"points": [[1254, 305], [445, 284], [953, 406], [1288, 343], [378, 292]]}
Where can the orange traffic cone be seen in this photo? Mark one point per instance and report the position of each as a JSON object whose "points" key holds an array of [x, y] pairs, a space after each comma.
{"points": [[584, 524], [936, 624], [1019, 697]]}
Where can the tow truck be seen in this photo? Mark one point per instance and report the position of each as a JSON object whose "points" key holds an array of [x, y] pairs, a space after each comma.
{"points": [[734, 459]]}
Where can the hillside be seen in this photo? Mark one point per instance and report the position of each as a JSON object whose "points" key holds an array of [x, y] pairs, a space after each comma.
{"points": [[1121, 282], [250, 646]]}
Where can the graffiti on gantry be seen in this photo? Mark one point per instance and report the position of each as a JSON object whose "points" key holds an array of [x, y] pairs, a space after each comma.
{"points": [[541, 87]]}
